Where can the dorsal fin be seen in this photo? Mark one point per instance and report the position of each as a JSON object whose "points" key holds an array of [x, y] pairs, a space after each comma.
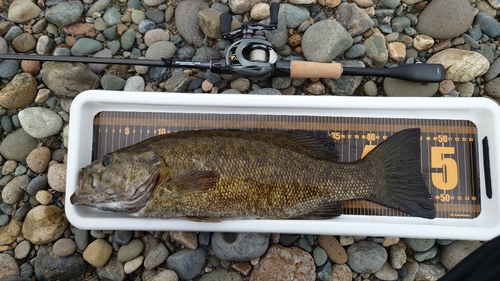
{"points": [[317, 144]]}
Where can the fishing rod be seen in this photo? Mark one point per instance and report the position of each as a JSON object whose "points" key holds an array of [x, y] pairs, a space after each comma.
{"points": [[253, 56]]}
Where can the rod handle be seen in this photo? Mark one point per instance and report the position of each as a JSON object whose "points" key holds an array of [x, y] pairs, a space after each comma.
{"points": [[307, 69]]}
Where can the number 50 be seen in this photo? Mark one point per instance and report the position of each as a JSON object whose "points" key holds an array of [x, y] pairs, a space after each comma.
{"points": [[448, 178]]}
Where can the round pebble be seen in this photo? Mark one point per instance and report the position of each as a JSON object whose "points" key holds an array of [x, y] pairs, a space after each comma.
{"points": [[132, 265], [64, 247], [98, 252], [130, 251], [44, 197], [8, 265], [156, 256]]}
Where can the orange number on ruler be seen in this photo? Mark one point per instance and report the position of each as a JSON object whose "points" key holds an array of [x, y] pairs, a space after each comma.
{"points": [[448, 178]]}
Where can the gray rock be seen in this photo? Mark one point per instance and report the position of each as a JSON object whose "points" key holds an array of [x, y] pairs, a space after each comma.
{"points": [[281, 82], [206, 54], [278, 36], [376, 49], [15, 278], [161, 49], [86, 46], [186, 21], [156, 256], [392, 4], [112, 16], [204, 238], [345, 85], [354, 19], [145, 26], [320, 256], [8, 68], [178, 83], [356, 51], [445, 19], [97, 234], [127, 39], [400, 88], [155, 15], [294, 15], [17, 145], [324, 41], [493, 71], [8, 265], [130, 251], [221, 274], [430, 272], [4, 220], [40, 122], [13, 192], [51, 267], [265, 91], [420, 245], [112, 82], [453, 253], [81, 239], [4, 46], [187, 263], [492, 88], [134, 84], [397, 256], [38, 183], [427, 255], [22, 250], [303, 244], [98, 6], [7, 124], [26, 270], [366, 257], [65, 13], [112, 270], [68, 79], [239, 246], [212, 77], [22, 212], [13, 33], [122, 237], [400, 23], [110, 33], [242, 6], [487, 24], [324, 271]]}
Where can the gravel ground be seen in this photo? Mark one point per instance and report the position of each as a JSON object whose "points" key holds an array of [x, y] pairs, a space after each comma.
{"points": [[36, 240]]}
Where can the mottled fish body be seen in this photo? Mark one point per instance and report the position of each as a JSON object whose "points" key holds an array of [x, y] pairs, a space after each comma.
{"points": [[209, 175]]}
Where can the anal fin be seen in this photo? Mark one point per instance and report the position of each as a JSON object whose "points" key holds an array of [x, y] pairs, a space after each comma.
{"points": [[325, 211]]}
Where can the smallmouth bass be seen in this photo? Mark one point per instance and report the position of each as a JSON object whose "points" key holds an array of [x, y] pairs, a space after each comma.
{"points": [[210, 175]]}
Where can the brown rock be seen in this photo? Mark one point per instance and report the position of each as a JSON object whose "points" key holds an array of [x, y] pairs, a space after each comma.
{"points": [[423, 42], [294, 40], [438, 47], [24, 43], [38, 159], [8, 266], [461, 66], [44, 224], [64, 247], [19, 92], [397, 51], [185, 238], [10, 232], [242, 267], [23, 11], [31, 66], [446, 86], [333, 248], [98, 252], [86, 29], [56, 177], [281, 263], [330, 3]]}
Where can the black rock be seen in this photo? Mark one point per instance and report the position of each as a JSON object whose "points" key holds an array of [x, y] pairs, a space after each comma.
{"points": [[187, 263], [112, 270], [288, 239], [51, 267], [122, 237]]}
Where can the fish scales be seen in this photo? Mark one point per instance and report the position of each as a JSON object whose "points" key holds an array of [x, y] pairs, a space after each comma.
{"points": [[209, 175]]}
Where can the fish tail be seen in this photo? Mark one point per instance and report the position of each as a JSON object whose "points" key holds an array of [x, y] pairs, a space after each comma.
{"points": [[404, 189]]}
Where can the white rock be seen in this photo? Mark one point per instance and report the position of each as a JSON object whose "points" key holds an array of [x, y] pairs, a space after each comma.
{"points": [[40, 122], [134, 84], [242, 6], [260, 11], [423, 42], [132, 265], [23, 11], [44, 224], [461, 65], [153, 3]]}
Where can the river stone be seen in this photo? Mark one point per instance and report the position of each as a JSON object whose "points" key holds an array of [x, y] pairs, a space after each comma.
{"points": [[333, 248], [10, 232], [130, 251], [445, 19], [22, 11], [48, 266], [68, 78], [9, 68], [239, 246], [85, 47], [8, 265], [243, 6], [354, 19], [492, 88], [64, 247], [325, 40], [56, 177], [341, 272], [98, 252], [13, 192], [401, 88], [24, 43], [209, 21], [345, 85], [489, 25], [156, 256], [19, 92], [44, 224], [284, 263], [461, 65], [221, 274], [186, 21], [40, 122], [453, 253], [293, 15], [112, 270], [366, 257], [187, 263], [64, 13], [17, 145], [432, 272], [161, 49], [376, 49]]}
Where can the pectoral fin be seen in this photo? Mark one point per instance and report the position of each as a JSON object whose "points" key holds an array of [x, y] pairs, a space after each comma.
{"points": [[193, 181], [325, 211]]}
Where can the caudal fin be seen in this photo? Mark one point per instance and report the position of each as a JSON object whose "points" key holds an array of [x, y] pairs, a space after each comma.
{"points": [[405, 187]]}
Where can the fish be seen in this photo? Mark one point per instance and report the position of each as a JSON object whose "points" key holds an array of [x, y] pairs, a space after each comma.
{"points": [[217, 174]]}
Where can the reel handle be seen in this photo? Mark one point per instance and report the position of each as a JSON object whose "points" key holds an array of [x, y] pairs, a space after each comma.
{"points": [[275, 8], [225, 23]]}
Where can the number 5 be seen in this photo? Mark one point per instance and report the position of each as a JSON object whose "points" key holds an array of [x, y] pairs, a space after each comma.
{"points": [[448, 178]]}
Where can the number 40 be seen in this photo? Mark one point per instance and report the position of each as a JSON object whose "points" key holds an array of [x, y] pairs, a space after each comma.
{"points": [[448, 178]]}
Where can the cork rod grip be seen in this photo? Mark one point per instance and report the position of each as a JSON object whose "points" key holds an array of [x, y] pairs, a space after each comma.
{"points": [[307, 69]]}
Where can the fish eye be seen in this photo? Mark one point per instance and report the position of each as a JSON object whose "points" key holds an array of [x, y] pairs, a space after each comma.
{"points": [[107, 159]]}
